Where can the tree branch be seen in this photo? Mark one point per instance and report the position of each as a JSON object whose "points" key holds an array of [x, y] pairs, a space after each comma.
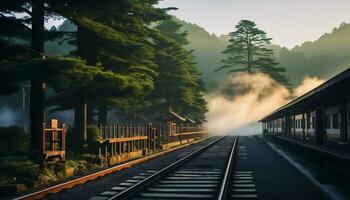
{"points": [[237, 70]]}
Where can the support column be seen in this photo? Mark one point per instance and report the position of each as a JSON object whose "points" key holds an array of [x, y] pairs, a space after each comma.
{"points": [[319, 128], [286, 125], [303, 124], [294, 125], [343, 123]]}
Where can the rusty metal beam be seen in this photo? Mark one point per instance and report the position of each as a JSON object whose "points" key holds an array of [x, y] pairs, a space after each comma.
{"points": [[125, 139]]}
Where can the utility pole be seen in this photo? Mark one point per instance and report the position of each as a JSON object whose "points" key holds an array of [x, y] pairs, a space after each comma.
{"points": [[24, 118]]}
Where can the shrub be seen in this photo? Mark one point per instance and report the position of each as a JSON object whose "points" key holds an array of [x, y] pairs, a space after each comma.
{"points": [[94, 138], [46, 177], [93, 133]]}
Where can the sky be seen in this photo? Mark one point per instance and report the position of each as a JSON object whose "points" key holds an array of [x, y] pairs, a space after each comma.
{"points": [[288, 22]]}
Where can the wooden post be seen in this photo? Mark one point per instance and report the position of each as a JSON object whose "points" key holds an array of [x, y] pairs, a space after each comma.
{"points": [[118, 144], [106, 150], [148, 137], [113, 130], [139, 134], [64, 140], [43, 144]]}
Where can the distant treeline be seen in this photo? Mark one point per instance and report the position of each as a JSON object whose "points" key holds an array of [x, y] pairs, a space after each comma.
{"points": [[324, 57]]}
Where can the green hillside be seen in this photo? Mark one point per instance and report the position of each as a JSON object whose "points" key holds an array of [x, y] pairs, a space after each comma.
{"points": [[325, 57], [207, 49]]}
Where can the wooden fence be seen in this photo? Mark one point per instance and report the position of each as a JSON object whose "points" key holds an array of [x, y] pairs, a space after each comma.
{"points": [[119, 139]]}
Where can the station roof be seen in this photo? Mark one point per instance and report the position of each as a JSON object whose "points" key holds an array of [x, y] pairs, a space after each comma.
{"points": [[189, 120], [327, 93], [171, 116], [201, 121], [177, 116]]}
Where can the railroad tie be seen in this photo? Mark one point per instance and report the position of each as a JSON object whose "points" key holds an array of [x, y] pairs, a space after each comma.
{"points": [[243, 186]]}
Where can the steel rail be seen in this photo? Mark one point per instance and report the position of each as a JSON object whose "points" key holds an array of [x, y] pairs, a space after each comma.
{"points": [[158, 175], [81, 180], [226, 178]]}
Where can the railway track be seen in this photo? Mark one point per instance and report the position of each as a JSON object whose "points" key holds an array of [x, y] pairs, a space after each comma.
{"points": [[203, 174], [81, 180]]}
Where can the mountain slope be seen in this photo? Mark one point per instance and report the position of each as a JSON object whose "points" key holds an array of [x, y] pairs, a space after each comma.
{"points": [[325, 57], [207, 50]]}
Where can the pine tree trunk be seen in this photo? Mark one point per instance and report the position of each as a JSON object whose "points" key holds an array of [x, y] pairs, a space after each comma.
{"points": [[37, 90], [102, 114], [249, 49], [81, 117], [90, 114], [80, 124]]}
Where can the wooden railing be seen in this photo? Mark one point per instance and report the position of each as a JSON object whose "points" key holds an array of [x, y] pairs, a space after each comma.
{"points": [[119, 139]]}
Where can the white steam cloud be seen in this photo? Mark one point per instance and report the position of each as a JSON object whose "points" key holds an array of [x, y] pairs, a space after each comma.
{"points": [[245, 98], [308, 84]]}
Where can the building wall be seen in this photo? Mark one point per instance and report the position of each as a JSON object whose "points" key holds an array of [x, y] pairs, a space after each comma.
{"points": [[302, 125], [332, 123]]}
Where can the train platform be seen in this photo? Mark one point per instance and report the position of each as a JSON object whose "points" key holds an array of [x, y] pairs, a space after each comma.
{"points": [[333, 149], [260, 173]]}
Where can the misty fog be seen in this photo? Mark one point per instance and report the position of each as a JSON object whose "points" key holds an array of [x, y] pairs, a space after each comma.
{"points": [[243, 99]]}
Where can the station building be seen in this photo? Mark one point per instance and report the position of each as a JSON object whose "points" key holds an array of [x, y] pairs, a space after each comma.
{"points": [[320, 117]]}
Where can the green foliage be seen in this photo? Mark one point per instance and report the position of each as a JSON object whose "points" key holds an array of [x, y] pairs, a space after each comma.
{"points": [[46, 177], [93, 138], [177, 86], [82, 166], [247, 50], [93, 134], [71, 72], [121, 44], [115, 58]]}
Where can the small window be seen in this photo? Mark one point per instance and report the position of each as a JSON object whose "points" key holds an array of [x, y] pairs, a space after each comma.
{"points": [[298, 123], [335, 120], [328, 121]]}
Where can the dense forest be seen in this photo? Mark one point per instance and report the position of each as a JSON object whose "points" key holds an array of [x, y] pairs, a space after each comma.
{"points": [[131, 57]]}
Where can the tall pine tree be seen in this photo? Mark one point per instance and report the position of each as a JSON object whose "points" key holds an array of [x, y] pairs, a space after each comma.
{"points": [[25, 34], [119, 40], [177, 86], [247, 52]]}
